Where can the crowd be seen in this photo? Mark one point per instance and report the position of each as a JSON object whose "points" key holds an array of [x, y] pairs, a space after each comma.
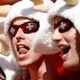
{"points": [[41, 40]]}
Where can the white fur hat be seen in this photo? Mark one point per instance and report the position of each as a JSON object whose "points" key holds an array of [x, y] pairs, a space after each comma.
{"points": [[67, 10], [42, 41]]}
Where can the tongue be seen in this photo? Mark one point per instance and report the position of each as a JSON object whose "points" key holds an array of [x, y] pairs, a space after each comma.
{"points": [[23, 50]]}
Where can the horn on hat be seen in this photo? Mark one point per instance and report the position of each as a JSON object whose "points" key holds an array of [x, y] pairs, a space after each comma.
{"points": [[4, 45], [71, 2], [37, 2], [4, 10], [42, 5]]}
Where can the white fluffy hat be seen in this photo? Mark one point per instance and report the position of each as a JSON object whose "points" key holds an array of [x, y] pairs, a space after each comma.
{"points": [[69, 9], [42, 41]]}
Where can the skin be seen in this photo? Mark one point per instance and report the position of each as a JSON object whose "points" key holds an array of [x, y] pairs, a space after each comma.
{"points": [[71, 60], [26, 57], [40, 67], [2, 74], [2, 77]]}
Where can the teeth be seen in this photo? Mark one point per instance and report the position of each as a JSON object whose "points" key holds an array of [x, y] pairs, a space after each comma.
{"points": [[27, 47]]}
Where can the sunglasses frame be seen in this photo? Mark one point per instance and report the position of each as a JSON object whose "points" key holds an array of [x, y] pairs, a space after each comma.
{"points": [[25, 25]]}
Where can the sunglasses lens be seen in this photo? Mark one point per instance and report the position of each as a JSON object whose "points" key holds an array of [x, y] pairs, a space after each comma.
{"points": [[64, 25], [27, 27], [30, 27], [12, 30]]}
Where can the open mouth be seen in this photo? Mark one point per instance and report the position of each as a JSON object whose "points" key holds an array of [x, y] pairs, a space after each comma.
{"points": [[66, 49], [22, 49]]}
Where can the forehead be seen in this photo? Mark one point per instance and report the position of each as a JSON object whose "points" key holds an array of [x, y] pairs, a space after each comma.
{"points": [[55, 19], [20, 20]]}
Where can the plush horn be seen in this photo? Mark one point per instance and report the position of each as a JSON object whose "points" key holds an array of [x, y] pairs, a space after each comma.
{"points": [[44, 6], [71, 2], [37, 2], [4, 10], [4, 45]]}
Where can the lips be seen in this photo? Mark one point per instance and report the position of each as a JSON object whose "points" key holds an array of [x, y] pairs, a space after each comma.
{"points": [[65, 52], [22, 49]]}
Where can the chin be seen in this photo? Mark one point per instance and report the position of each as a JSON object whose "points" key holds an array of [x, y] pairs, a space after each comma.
{"points": [[21, 64], [25, 63], [71, 65]]}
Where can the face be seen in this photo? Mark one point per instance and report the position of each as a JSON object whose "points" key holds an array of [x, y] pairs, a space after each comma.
{"points": [[22, 32], [67, 38]]}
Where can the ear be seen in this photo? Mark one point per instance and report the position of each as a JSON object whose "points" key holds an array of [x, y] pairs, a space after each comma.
{"points": [[4, 10], [4, 45], [43, 6], [71, 2]]}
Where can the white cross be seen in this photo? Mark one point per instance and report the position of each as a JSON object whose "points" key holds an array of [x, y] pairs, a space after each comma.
{"points": [[29, 26], [63, 25], [12, 30]]}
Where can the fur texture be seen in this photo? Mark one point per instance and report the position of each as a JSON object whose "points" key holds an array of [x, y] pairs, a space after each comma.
{"points": [[42, 41]]}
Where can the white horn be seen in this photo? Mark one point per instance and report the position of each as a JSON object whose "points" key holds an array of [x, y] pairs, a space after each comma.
{"points": [[44, 7], [37, 2], [71, 2], [5, 47]]}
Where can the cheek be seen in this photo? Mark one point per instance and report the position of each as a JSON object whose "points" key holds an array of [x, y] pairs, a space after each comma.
{"points": [[30, 37], [70, 36], [14, 42]]}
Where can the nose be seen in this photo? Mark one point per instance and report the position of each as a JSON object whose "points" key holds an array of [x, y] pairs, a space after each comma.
{"points": [[20, 34], [56, 36]]}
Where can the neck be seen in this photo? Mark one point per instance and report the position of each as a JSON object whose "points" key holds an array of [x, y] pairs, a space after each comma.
{"points": [[41, 70], [50, 68], [37, 72]]}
